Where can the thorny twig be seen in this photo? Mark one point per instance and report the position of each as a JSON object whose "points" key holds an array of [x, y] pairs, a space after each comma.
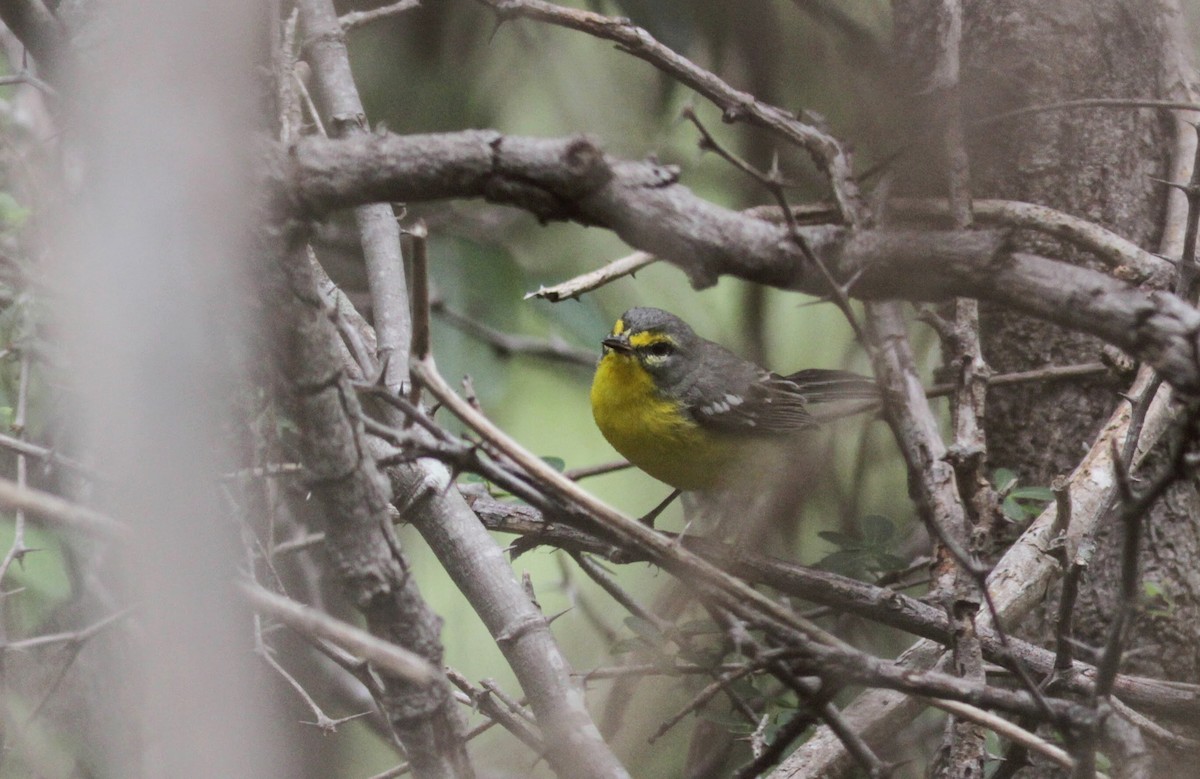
{"points": [[816, 695], [506, 344], [962, 587], [321, 720], [735, 105], [18, 549], [486, 701], [838, 592], [394, 659], [774, 184]]}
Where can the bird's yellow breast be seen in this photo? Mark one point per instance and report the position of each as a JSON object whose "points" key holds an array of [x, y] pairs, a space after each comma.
{"points": [[653, 432]]}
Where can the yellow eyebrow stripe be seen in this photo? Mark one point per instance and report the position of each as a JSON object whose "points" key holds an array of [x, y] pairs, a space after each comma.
{"points": [[638, 340], [619, 327]]}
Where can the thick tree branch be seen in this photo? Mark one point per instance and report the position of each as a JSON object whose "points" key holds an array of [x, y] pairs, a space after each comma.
{"points": [[1108, 247], [354, 497], [573, 179]]}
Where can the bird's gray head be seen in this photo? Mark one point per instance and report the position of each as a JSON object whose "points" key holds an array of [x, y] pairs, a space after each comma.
{"points": [[660, 341]]}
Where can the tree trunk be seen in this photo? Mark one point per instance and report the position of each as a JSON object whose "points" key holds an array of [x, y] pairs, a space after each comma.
{"points": [[1096, 163]]}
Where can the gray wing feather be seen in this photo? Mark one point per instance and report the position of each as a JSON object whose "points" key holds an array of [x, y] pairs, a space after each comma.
{"points": [[765, 402]]}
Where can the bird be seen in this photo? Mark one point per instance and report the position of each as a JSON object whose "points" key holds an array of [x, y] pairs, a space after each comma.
{"points": [[698, 417]]}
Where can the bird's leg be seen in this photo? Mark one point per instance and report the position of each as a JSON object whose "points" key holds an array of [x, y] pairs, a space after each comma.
{"points": [[652, 515]]}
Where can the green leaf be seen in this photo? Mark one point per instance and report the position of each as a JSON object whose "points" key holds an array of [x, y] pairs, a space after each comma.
{"points": [[840, 540], [889, 563], [1012, 509], [1043, 494], [877, 530], [1158, 601], [1002, 477], [847, 563], [557, 463]]}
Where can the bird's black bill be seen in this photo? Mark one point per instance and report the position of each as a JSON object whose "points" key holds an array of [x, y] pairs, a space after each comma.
{"points": [[617, 345]]}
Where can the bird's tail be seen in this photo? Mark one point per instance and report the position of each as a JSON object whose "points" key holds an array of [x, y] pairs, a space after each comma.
{"points": [[833, 394], [819, 385]]}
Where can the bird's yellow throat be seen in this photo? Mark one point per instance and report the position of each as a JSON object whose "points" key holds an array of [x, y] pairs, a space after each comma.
{"points": [[651, 431]]}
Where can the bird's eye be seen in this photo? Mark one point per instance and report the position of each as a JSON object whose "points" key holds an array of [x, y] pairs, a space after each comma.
{"points": [[660, 349]]}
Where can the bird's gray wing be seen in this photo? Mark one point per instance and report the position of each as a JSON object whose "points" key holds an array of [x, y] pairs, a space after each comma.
{"points": [[757, 403], [761, 402]]}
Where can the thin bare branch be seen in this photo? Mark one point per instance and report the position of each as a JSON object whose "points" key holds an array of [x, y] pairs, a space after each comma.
{"points": [[1006, 729], [17, 550], [355, 19], [76, 637], [54, 511], [321, 720], [47, 455], [573, 288], [486, 702], [1049, 373], [325, 47], [588, 471], [508, 344], [316, 624]]}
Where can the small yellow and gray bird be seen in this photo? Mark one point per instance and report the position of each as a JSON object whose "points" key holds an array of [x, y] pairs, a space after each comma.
{"points": [[693, 414]]}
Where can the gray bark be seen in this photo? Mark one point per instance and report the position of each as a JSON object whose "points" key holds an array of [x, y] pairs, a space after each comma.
{"points": [[1096, 164]]}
